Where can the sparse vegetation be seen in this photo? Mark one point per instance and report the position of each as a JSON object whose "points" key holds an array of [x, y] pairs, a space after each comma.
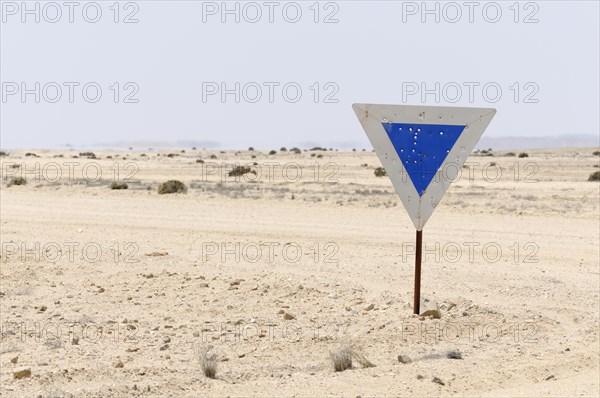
{"points": [[208, 361], [272, 152], [2, 153], [16, 181], [283, 149], [31, 154], [199, 161], [118, 185], [595, 176], [171, 186], [319, 156], [510, 154], [213, 156], [240, 171], [172, 155], [251, 149], [523, 155], [318, 148], [596, 153], [296, 150], [380, 172]]}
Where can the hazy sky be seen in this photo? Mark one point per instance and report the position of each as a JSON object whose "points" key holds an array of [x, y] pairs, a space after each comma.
{"points": [[295, 79]]}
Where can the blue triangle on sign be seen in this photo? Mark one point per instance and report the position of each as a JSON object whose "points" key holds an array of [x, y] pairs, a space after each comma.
{"points": [[422, 148]]}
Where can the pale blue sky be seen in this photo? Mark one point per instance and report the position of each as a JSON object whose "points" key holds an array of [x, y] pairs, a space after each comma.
{"points": [[374, 53]]}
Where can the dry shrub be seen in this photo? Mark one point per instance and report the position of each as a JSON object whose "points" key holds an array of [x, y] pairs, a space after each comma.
{"points": [[595, 176], [380, 172], [118, 185], [171, 186]]}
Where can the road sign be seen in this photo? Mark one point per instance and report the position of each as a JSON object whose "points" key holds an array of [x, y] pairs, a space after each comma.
{"points": [[422, 149]]}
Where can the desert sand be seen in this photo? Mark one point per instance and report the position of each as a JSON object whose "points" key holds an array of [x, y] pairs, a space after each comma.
{"points": [[112, 293]]}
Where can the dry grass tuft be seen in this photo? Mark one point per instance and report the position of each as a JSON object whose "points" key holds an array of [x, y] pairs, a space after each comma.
{"points": [[208, 361], [342, 359]]}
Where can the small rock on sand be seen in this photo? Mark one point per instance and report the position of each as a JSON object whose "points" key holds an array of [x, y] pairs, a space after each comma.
{"points": [[22, 373], [404, 359]]}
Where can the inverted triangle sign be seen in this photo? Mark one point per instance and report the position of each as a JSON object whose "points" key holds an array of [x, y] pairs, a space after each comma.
{"points": [[422, 148]]}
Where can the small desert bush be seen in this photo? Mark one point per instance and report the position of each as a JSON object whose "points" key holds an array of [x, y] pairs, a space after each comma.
{"points": [[208, 361], [240, 171], [283, 149], [523, 155], [16, 181], [596, 153], [595, 176], [251, 149], [272, 152], [318, 148], [213, 156], [199, 161], [380, 172], [2, 153], [296, 150], [510, 154], [171, 186], [118, 185]]}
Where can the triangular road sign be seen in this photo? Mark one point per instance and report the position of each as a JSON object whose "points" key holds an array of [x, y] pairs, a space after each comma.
{"points": [[422, 148]]}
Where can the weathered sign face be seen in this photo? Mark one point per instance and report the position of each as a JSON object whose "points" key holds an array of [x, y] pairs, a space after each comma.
{"points": [[422, 148]]}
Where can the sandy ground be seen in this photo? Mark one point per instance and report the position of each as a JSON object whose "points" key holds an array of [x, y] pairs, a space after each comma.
{"points": [[114, 292]]}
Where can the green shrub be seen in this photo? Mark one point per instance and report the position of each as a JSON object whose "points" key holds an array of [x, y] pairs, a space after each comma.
{"points": [[523, 155], [16, 181], [380, 172], [318, 148], [296, 150], [283, 149], [595, 176], [171, 186], [118, 185]]}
